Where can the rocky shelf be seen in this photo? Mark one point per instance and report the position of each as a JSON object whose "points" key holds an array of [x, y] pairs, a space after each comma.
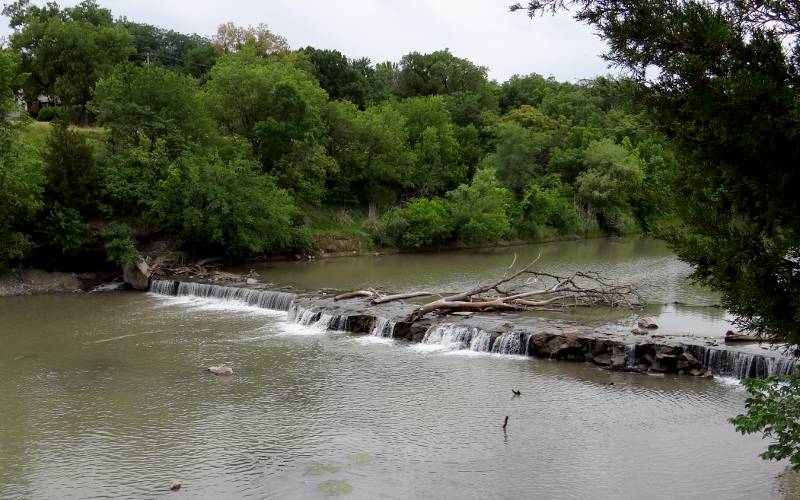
{"points": [[514, 334]]}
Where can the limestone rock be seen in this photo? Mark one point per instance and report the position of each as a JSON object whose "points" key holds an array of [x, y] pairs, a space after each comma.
{"points": [[647, 322], [137, 276]]}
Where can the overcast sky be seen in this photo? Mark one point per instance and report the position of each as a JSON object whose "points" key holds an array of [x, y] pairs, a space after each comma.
{"points": [[480, 30]]}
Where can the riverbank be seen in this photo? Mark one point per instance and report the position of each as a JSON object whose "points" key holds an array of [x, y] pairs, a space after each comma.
{"points": [[37, 281]]}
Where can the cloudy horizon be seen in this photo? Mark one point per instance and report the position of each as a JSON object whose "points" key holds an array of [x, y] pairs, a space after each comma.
{"points": [[484, 32]]}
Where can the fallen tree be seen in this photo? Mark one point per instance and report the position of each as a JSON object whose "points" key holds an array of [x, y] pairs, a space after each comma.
{"points": [[522, 290]]}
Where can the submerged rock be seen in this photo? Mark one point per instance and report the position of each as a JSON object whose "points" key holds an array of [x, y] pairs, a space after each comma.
{"points": [[221, 370]]}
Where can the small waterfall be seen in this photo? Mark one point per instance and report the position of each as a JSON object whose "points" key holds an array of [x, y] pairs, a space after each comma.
{"points": [[264, 299], [383, 328], [630, 356], [740, 364], [164, 287], [315, 319], [461, 337], [511, 343]]}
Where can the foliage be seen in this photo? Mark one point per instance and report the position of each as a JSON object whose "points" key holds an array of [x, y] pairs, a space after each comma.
{"points": [[62, 232], [432, 139], [119, 244], [67, 51], [257, 40], [191, 54], [723, 82], [610, 184], [479, 211], [222, 206], [773, 409], [73, 178], [272, 104], [150, 103], [338, 76], [438, 73], [371, 151], [21, 188], [420, 224]]}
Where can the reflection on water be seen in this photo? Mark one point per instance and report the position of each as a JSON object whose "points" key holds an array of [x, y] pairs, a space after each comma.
{"points": [[105, 395]]}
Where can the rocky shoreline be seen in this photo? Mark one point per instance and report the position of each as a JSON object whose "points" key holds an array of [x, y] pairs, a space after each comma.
{"points": [[515, 334]]}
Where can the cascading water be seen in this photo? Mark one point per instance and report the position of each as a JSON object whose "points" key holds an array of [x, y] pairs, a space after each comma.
{"points": [[459, 337], [315, 319], [740, 364], [630, 356], [264, 299], [383, 328], [511, 343]]}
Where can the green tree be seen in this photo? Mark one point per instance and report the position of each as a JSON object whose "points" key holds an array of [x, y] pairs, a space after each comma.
{"points": [[280, 109], [340, 77], [222, 206], [191, 54], [150, 103], [258, 40], [432, 138], [73, 178], [610, 185], [479, 210], [773, 409], [420, 224], [372, 153], [21, 189], [439, 73], [722, 79], [65, 52]]}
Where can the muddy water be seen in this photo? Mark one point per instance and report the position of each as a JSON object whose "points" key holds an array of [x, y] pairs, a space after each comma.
{"points": [[104, 396], [680, 306]]}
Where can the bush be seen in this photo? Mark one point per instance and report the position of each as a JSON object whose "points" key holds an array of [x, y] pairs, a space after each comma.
{"points": [[119, 244], [480, 210], [223, 206], [547, 203], [422, 223], [63, 232], [21, 187]]}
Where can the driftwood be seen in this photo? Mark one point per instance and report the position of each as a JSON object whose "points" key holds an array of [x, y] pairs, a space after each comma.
{"points": [[207, 269], [520, 290]]}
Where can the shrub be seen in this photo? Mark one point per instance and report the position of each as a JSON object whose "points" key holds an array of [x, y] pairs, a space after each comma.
{"points": [[119, 244], [422, 223]]}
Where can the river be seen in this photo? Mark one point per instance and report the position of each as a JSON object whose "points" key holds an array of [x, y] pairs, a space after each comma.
{"points": [[105, 396]]}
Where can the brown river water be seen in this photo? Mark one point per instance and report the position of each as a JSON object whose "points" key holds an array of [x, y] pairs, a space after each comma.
{"points": [[105, 396]]}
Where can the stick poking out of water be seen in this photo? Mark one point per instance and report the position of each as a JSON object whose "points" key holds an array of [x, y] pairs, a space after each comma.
{"points": [[505, 423]]}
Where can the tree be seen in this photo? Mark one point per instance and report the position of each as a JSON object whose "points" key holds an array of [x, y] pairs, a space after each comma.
{"points": [[280, 109], [372, 153], [223, 206], [192, 54], [725, 89], [439, 73], [611, 184], [480, 210], [150, 103], [338, 76], [73, 179], [722, 79], [258, 40], [65, 52], [432, 138], [422, 223]]}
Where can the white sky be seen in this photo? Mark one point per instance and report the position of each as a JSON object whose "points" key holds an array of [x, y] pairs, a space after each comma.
{"points": [[483, 31]]}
